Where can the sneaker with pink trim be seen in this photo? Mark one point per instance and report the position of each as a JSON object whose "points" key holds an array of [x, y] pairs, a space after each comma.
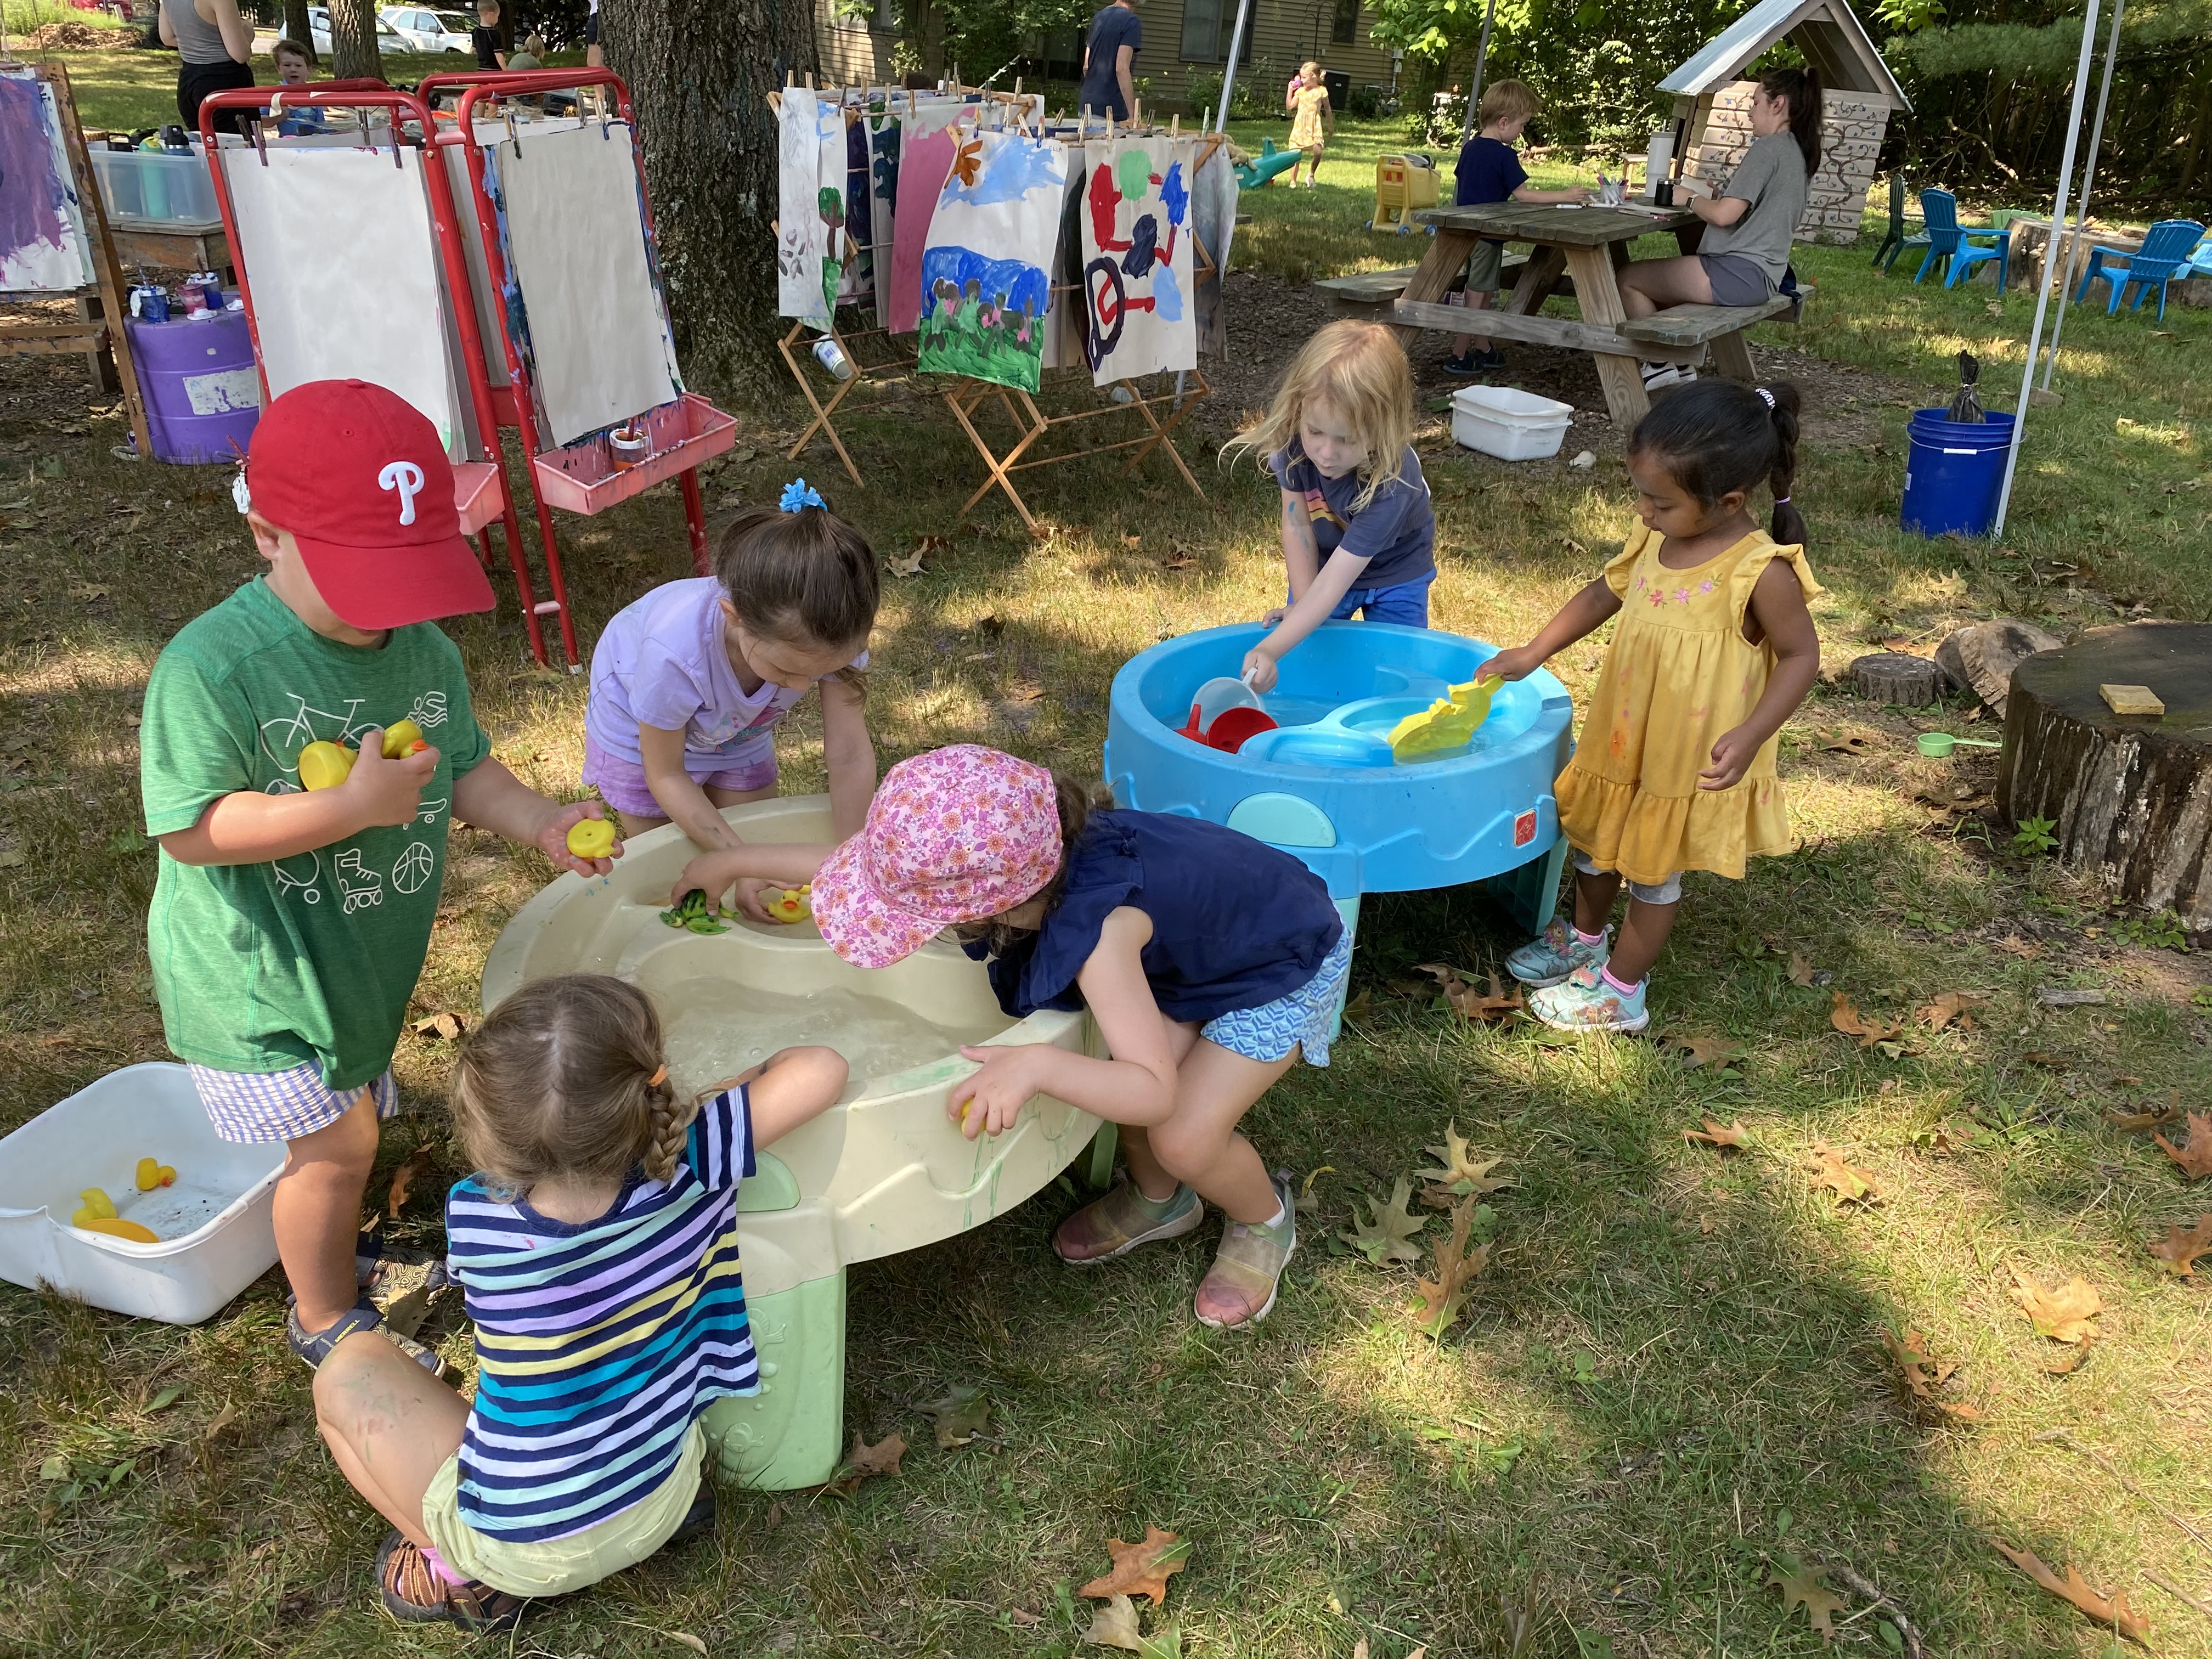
{"points": [[1586, 1000]]}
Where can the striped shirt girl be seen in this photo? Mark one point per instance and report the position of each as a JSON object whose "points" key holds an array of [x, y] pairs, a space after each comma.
{"points": [[598, 1345]]}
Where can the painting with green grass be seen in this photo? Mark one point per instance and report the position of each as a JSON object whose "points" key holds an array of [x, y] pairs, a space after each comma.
{"points": [[986, 270]]}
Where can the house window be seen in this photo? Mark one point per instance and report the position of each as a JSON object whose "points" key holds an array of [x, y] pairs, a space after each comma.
{"points": [[881, 15], [1208, 27], [1344, 29]]}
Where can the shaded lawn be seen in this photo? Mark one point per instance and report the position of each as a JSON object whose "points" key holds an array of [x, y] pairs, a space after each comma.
{"points": [[1671, 1374]]}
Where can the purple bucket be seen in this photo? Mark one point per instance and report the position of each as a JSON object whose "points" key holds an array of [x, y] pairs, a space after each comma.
{"points": [[202, 394]]}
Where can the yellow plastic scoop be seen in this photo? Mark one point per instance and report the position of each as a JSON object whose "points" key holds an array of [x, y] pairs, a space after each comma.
{"points": [[1448, 723]]}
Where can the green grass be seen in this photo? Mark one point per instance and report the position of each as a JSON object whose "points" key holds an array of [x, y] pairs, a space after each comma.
{"points": [[1670, 1374]]}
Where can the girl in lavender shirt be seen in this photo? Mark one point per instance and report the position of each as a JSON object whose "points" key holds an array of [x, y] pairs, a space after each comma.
{"points": [[688, 682]]}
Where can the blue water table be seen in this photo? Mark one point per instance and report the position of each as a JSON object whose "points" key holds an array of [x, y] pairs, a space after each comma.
{"points": [[1325, 783]]}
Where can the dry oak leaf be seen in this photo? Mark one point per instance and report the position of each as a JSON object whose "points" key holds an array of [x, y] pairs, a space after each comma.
{"points": [[1115, 1626], [1701, 1050], [1443, 1298], [2194, 1156], [448, 1026], [2111, 1610], [1498, 1004], [1142, 1568], [1920, 1374], [1801, 969], [1390, 1235], [1720, 1134], [882, 1458], [2062, 1315], [1951, 1007], [1800, 1585], [2149, 1118], [1461, 1174], [402, 1179], [2178, 1251], [1848, 1184], [1851, 1022]]}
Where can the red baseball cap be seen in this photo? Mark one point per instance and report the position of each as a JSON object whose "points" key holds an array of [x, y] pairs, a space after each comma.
{"points": [[358, 476]]}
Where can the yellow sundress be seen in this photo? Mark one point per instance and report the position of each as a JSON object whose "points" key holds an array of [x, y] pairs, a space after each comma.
{"points": [[1679, 675], [1305, 125]]}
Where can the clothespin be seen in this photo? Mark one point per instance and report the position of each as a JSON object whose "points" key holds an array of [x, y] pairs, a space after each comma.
{"points": [[396, 161], [261, 143], [512, 137]]}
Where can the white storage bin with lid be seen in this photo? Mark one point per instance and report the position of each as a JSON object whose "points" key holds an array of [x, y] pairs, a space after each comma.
{"points": [[155, 189], [1507, 422], [217, 1232]]}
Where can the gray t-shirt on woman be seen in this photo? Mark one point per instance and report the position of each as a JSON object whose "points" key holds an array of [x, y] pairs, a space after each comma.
{"points": [[1772, 177]]}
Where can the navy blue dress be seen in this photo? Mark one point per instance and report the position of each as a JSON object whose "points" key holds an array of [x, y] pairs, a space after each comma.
{"points": [[1236, 923]]}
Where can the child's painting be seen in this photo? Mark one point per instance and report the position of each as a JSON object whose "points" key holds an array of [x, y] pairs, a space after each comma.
{"points": [[1214, 218], [925, 163], [42, 241], [802, 243], [987, 267], [1137, 260], [829, 186], [883, 132], [859, 281]]}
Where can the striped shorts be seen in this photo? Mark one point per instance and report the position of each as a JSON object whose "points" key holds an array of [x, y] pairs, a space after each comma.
{"points": [[257, 1106]]}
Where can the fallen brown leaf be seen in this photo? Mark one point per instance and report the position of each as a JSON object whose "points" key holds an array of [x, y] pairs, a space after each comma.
{"points": [[1951, 1007], [1715, 1134], [402, 1179], [1853, 744], [2178, 1251], [1390, 1236], [1143, 1568], [2149, 1118], [1460, 1173], [2194, 1156], [1919, 1375], [1443, 1298], [2062, 1315], [2111, 1609], [1701, 1050], [1180, 561], [2026, 948], [1799, 1584], [1851, 1022], [447, 1027], [1115, 1626], [1850, 1184], [1801, 969], [863, 1460]]}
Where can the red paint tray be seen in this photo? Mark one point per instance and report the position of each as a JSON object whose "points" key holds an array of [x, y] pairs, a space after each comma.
{"points": [[583, 478]]}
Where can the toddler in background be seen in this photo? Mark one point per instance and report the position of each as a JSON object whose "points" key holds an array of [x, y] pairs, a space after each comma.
{"points": [[689, 682], [1359, 534], [1675, 770], [596, 1248], [1489, 171], [1312, 120]]}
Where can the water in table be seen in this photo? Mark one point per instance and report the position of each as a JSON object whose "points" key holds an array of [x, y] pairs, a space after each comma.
{"points": [[717, 1028]]}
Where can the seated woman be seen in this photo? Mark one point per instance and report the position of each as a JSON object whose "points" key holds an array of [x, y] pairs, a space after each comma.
{"points": [[1740, 260]]}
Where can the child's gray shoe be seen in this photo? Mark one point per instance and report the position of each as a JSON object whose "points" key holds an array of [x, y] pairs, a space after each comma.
{"points": [[1553, 954]]}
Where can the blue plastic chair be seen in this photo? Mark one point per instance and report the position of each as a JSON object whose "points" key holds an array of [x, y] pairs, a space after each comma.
{"points": [[2168, 245], [2200, 261], [1949, 240]]}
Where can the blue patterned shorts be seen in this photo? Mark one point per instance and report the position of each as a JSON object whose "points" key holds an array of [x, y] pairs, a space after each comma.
{"points": [[1302, 1019], [257, 1106]]}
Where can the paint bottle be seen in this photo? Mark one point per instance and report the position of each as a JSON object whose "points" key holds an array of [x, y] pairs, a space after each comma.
{"points": [[192, 296], [626, 447], [831, 356], [149, 303]]}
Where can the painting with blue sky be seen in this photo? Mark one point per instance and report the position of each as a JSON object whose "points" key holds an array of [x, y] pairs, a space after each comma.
{"points": [[986, 270]]}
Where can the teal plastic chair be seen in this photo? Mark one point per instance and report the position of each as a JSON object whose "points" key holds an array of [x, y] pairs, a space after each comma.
{"points": [[2168, 247], [1895, 242], [1954, 243], [2200, 261]]}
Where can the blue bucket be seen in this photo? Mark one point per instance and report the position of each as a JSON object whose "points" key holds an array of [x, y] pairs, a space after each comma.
{"points": [[1952, 472]]}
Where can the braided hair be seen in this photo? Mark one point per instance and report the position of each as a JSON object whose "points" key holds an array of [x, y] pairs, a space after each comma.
{"points": [[567, 1077]]}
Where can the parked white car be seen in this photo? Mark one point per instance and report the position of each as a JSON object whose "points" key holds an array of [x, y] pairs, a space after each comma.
{"points": [[429, 31], [387, 38]]}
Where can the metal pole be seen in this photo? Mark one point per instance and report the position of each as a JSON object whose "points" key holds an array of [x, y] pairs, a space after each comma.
{"points": [[2082, 212], [1475, 92], [1229, 75], [2042, 289]]}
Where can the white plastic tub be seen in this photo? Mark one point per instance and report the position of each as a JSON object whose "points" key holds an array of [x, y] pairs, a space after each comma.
{"points": [[1510, 423], [217, 1235]]}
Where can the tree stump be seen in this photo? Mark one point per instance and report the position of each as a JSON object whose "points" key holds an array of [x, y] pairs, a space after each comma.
{"points": [[2130, 795], [1979, 659], [1895, 677]]}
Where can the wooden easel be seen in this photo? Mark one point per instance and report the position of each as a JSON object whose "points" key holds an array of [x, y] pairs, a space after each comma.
{"points": [[100, 304]]}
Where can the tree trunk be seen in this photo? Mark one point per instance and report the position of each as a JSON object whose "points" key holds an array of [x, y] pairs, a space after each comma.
{"points": [[299, 31], [354, 55], [700, 71], [2130, 796], [1895, 677]]}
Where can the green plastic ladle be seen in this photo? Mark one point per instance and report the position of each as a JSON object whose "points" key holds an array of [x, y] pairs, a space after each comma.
{"points": [[1938, 746]]}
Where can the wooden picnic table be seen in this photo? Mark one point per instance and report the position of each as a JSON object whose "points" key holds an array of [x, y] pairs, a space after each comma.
{"points": [[1588, 244]]}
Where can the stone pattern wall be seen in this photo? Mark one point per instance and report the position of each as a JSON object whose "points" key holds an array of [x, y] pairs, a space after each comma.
{"points": [[1850, 141]]}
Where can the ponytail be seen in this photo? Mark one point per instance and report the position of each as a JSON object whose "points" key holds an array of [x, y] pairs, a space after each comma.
{"points": [[1801, 89], [1715, 437]]}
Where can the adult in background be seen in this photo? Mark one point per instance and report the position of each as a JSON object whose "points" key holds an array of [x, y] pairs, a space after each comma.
{"points": [[1754, 216], [1110, 58], [216, 47]]}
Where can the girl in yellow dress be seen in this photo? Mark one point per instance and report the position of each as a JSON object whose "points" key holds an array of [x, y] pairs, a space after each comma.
{"points": [[1307, 102], [1716, 649]]}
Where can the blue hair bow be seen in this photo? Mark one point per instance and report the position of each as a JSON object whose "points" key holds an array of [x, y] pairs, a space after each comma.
{"points": [[799, 493]]}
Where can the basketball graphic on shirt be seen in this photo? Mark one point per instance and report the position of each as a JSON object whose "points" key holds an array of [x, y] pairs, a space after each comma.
{"points": [[413, 868]]}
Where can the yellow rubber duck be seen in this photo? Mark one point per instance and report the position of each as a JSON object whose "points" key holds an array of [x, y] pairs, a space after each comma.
{"points": [[1448, 723], [98, 1216], [793, 904], [324, 765], [153, 1173]]}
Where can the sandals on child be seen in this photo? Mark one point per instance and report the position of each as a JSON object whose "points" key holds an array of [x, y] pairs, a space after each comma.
{"points": [[415, 1593], [315, 1346]]}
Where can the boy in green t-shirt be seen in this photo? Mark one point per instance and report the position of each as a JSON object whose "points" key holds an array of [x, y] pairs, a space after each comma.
{"points": [[289, 926]]}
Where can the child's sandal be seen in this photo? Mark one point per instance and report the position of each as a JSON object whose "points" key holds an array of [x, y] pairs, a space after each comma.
{"points": [[315, 1346], [415, 1593]]}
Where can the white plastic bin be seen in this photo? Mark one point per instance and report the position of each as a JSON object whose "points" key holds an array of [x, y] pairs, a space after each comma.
{"points": [[155, 190], [216, 1234], [1510, 423]]}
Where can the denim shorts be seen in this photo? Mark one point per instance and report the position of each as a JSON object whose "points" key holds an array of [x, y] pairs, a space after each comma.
{"points": [[1406, 604], [1300, 1020]]}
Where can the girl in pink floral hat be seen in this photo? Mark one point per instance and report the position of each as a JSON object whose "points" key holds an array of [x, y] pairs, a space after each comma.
{"points": [[1210, 961]]}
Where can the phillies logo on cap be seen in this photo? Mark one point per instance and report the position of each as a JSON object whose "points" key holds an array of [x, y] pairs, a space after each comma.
{"points": [[406, 477]]}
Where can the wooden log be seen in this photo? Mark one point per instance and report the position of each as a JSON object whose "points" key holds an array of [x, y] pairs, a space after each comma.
{"points": [[1980, 658], [2130, 796], [1894, 677]]}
